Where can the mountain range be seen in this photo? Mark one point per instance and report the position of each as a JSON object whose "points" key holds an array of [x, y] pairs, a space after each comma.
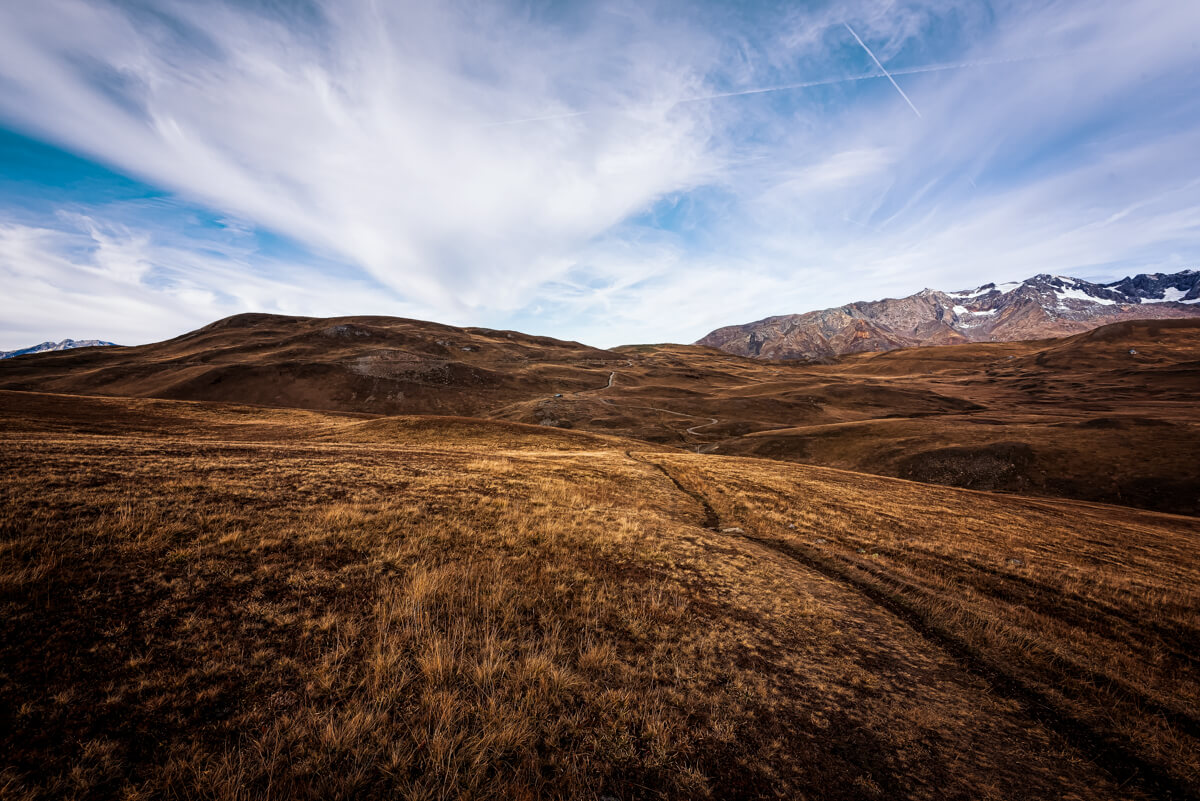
{"points": [[1039, 307], [66, 344]]}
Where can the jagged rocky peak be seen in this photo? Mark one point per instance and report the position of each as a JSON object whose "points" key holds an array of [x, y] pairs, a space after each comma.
{"points": [[1162, 288]]}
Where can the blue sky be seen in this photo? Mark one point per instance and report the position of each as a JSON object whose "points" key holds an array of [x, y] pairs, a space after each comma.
{"points": [[609, 172]]}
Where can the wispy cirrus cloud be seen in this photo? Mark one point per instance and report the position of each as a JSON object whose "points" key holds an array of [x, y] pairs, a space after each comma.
{"points": [[366, 131], [609, 171]]}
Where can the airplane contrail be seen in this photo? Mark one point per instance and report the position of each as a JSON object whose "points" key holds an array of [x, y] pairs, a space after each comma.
{"points": [[882, 69], [694, 99], [566, 115], [868, 76]]}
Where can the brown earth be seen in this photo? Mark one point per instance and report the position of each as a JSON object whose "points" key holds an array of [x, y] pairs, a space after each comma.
{"points": [[205, 600], [1080, 417]]}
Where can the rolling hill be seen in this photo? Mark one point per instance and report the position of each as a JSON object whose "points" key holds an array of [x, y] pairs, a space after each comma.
{"points": [[1107, 415], [380, 365]]}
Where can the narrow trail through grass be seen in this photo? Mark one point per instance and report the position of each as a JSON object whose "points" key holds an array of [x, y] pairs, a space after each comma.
{"points": [[712, 520], [893, 595]]}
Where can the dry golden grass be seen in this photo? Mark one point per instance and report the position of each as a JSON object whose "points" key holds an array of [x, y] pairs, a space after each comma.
{"points": [[1089, 612], [223, 602], [1130, 459]]}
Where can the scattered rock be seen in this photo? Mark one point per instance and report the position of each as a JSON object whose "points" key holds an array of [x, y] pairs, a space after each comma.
{"points": [[1015, 562], [346, 330], [820, 541]]}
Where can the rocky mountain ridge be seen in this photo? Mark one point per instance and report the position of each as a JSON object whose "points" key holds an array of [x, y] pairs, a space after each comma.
{"points": [[1038, 307]]}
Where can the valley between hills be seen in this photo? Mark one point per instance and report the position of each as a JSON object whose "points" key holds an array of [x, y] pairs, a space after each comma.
{"points": [[366, 557]]}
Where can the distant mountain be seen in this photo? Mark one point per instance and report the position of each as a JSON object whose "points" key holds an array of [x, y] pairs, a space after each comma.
{"points": [[1038, 307], [66, 344]]}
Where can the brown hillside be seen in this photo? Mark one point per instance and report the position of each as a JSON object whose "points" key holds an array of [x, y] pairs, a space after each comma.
{"points": [[380, 365]]}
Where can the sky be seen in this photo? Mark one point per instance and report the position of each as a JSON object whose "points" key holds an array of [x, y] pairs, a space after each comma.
{"points": [[608, 172]]}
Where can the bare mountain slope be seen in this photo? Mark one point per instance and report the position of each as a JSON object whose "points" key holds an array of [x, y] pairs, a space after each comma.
{"points": [[1039, 307]]}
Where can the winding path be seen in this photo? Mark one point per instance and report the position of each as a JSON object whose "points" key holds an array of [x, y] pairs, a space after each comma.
{"points": [[693, 430], [611, 377]]}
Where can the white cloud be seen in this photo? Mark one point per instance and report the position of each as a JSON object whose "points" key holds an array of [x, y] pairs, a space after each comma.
{"points": [[88, 280], [1060, 153], [370, 136]]}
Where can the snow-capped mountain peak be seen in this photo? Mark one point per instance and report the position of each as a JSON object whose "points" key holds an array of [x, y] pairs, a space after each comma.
{"points": [[1041, 306], [1181, 287], [66, 344]]}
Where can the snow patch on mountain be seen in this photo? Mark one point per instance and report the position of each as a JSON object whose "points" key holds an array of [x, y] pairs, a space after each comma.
{"points": [[1003, 289], [1081, 294], [1172, 295]]}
